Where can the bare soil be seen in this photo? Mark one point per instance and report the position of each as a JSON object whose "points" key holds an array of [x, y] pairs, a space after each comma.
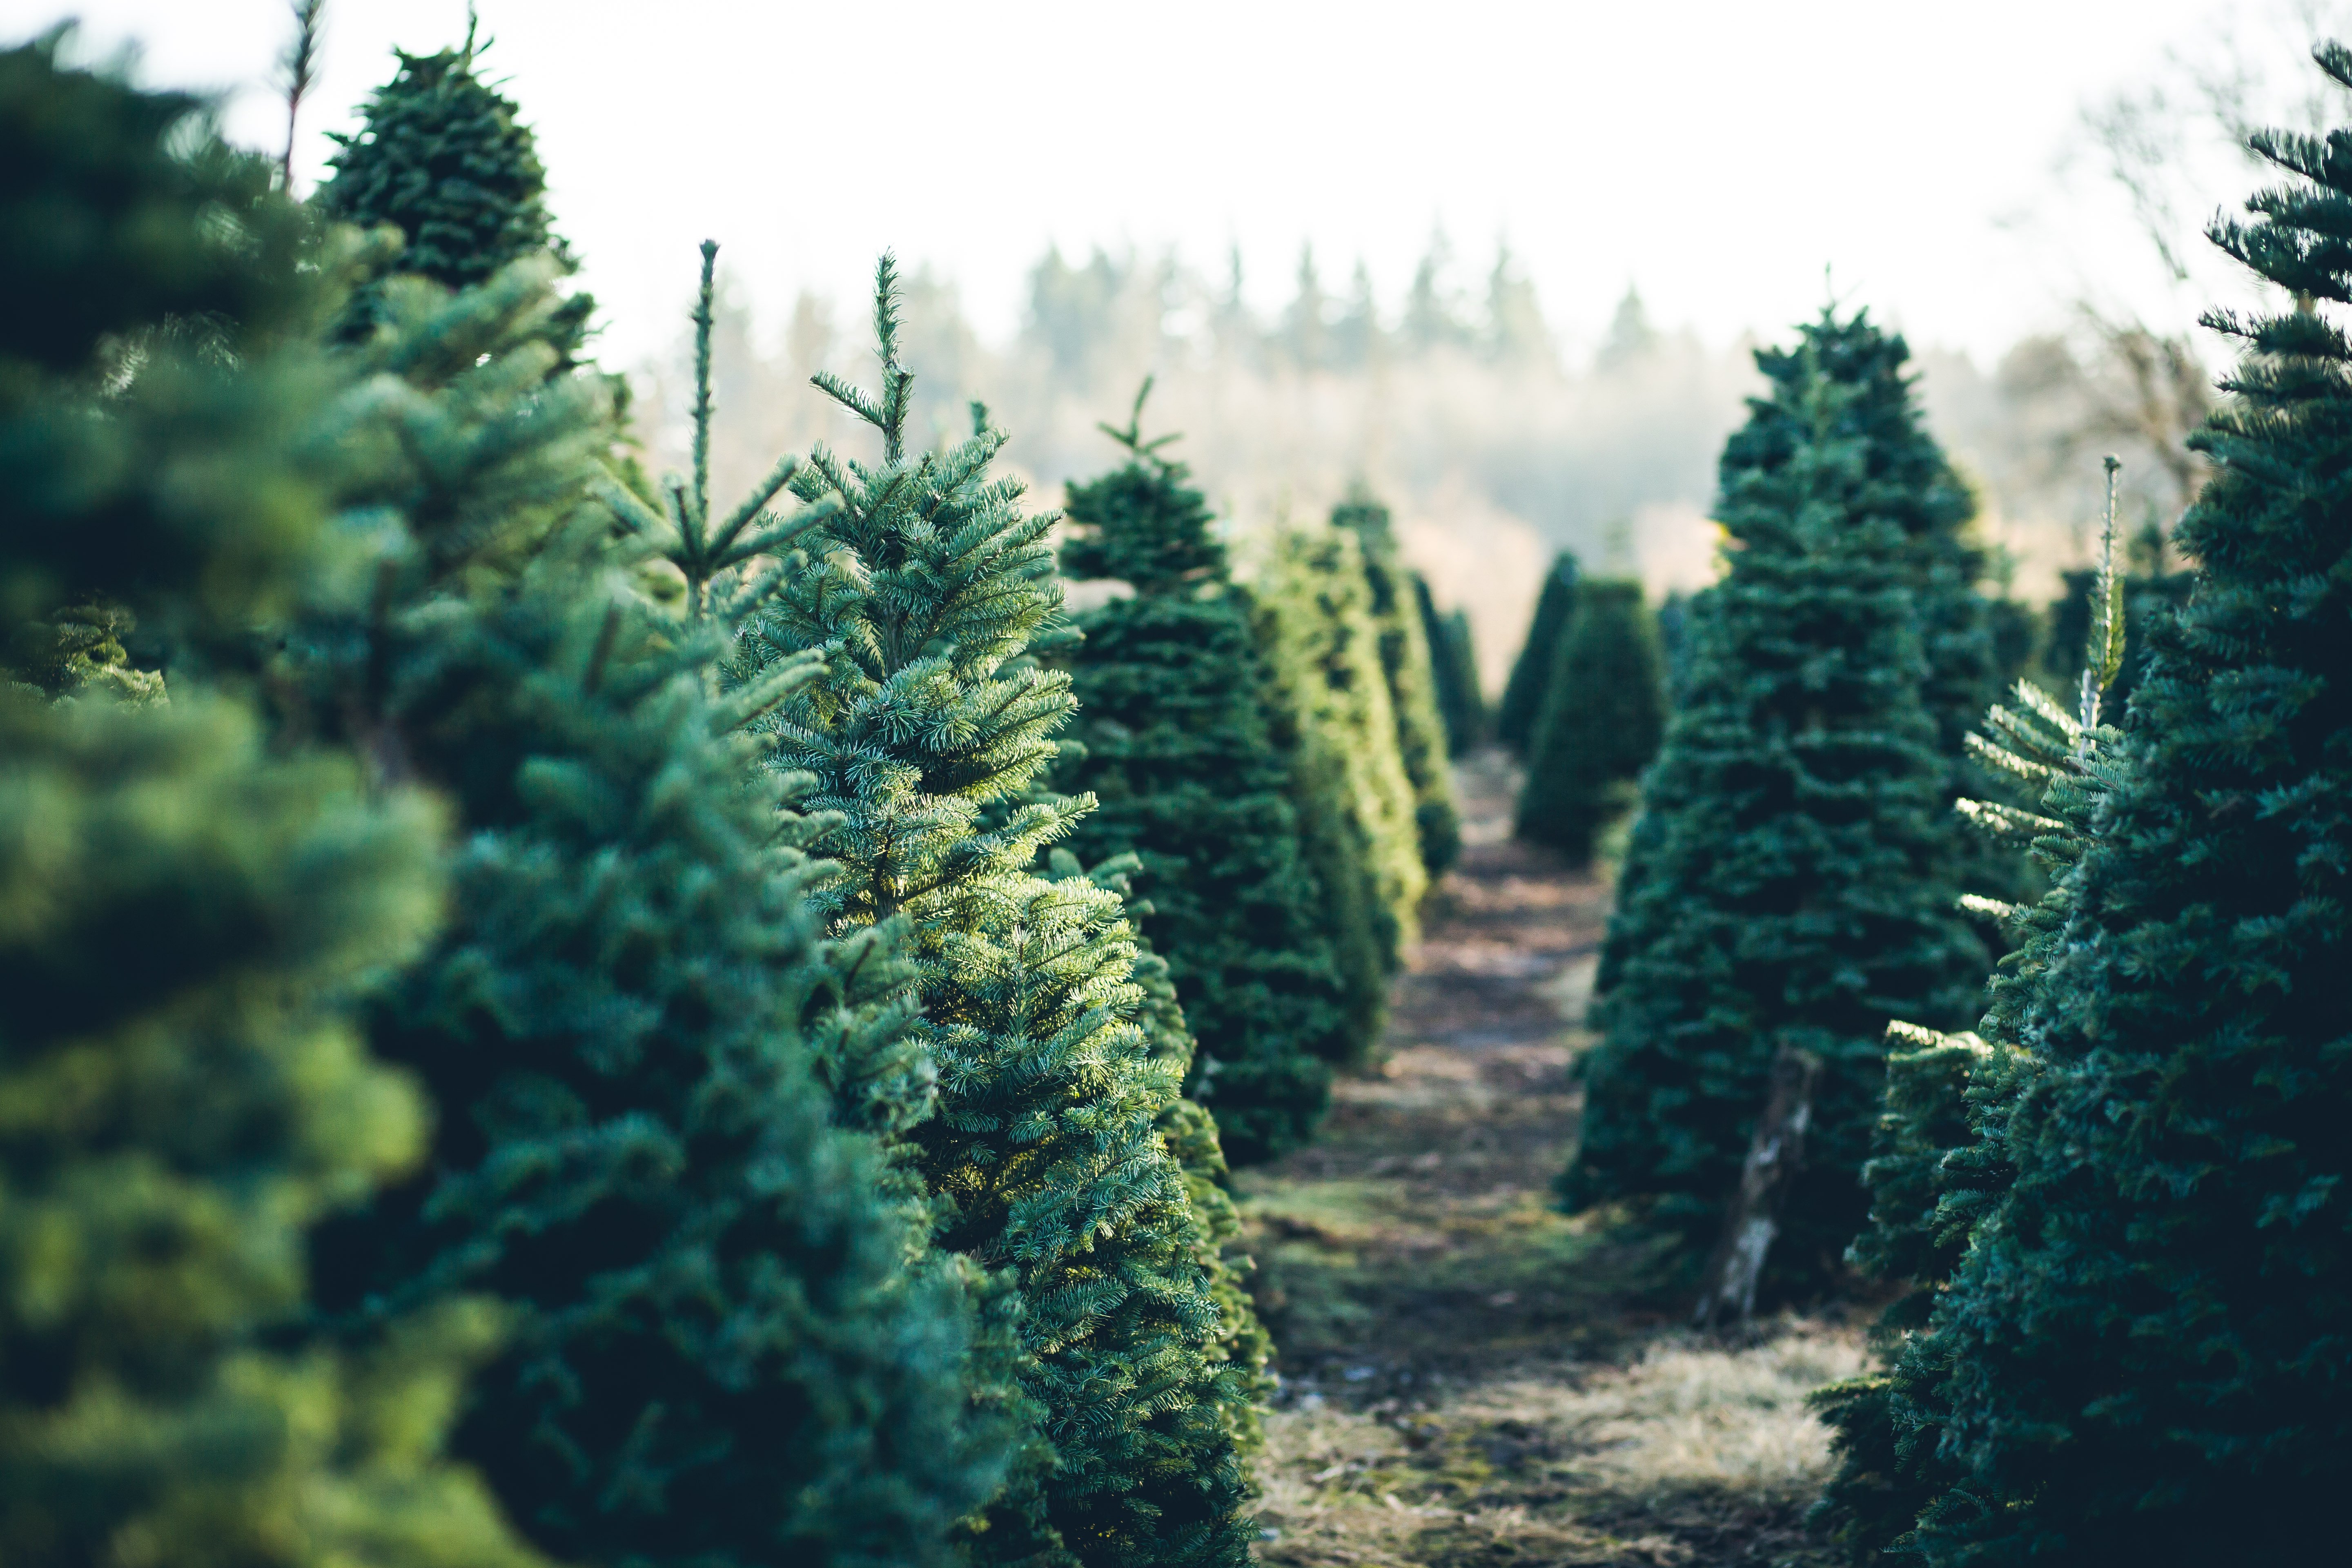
{"points": [[1470, 1377]]}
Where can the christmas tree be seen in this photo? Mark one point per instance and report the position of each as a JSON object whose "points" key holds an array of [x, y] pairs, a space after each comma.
{"points": [[1355, 801], [727, 1342], [190, 909], [2147, 1356], [1453, 670], [1405, 660], [1790, 888], [1179, 751], [1523, 693], [441, 156], [1605, 712], [1940, 1161], [922, 588]]}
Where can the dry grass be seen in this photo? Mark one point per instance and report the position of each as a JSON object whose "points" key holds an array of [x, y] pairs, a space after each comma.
{"points": [[1471, 1378]]}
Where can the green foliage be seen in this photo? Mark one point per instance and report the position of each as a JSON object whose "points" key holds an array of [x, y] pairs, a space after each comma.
{"points": [[728, 1345], [1523, 693], [1454, 671], [1178, 753], [1792, 881], [924, 586], [190, 909], [2142, 1347], [1194, 1140], [1604, 713], [2143, 598], [1406, 661], [441, 156], [1939, 1163], [1355, 802]]}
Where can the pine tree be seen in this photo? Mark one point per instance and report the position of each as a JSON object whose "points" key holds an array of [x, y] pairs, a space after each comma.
{"points": [[1938, 1157], [1940, 1161], [441, 156], [728, 1343], [1454, 670], [2146, 1338], [1523, 693], [924, 586], [1604, 713], [1790, 884], [1355, 802], [1406, 660], [1178, 749], [189, 911]]}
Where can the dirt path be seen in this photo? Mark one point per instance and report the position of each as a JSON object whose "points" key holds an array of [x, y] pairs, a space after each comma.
{"points": [[1470, 1378]]}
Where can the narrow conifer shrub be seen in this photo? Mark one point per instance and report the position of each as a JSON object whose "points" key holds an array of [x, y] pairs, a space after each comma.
{"points": [[1178, 751], [922, 588], [1604, 714], [2145, 1360], [1792, 883], [1454, 670], [191, 910], [1355, 801], [1406, 661], [1523, 693], [443, 157], [728, 1343]]}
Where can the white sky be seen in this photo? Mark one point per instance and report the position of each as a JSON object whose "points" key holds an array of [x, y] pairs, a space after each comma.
{"points": [[1716, 154]]}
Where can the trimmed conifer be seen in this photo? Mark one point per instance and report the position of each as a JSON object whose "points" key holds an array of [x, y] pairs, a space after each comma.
{"points": [[1178, 753], [442, 156], [1791, 885], [1454, 671], [1604, 715], [190, 909], [1523, 693], [2147, 1362], [728, 1343], [924, 587], [1406, 660], [1355, 802]]}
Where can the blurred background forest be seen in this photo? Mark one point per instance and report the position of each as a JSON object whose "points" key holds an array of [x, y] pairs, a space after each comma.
{"points": [[1500, 436]]}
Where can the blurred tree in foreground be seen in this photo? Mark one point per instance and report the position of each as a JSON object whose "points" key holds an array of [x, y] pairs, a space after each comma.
{"points": [[176, 1122]]}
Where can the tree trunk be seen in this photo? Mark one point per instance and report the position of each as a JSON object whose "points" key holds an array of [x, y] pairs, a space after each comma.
{"points": [[1775, 1154]]}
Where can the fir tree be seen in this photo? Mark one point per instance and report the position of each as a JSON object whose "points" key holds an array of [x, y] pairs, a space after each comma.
{"points": [[2146, 1339], [1454, 670], [189, 911], [1939, 1158], [1178, 749], [441, 156], [2150, 592], [1604, 714], [1355, 802], [1523, 693], [924, 586], [728, 1345], [1791, 886], [1406, 660]]}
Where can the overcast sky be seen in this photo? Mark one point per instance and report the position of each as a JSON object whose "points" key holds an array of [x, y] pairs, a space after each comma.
{"points": [[1716, 155]]}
